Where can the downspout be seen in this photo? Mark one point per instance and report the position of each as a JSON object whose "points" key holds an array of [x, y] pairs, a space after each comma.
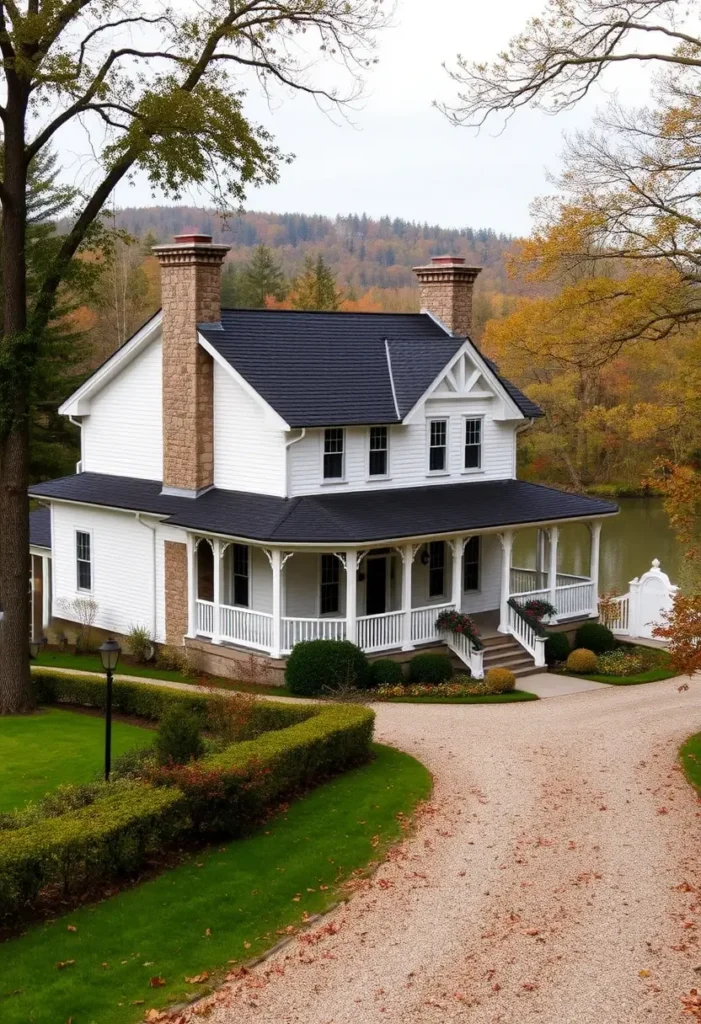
{"points": [[153, 529], [288, 445], [79, 425]]}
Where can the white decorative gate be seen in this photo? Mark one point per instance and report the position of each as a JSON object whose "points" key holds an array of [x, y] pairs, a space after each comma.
{"points": [[637, 613]]}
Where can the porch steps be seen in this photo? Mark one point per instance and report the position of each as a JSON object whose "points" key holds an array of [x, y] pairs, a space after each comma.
{"points": [[504, 652]]}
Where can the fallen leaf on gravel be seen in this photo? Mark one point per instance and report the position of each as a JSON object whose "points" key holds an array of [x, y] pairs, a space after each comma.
{"points": [[531, 931], [529, 986], [156, 981], [662, 810], [197, 979], [643, 974]]}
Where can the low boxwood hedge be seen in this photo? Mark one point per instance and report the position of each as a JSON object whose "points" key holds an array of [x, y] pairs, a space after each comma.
{"points": [[112, 836], [285, 749]]}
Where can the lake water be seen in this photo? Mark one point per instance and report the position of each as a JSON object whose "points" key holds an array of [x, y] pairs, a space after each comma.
{"points": [[629, 542]]}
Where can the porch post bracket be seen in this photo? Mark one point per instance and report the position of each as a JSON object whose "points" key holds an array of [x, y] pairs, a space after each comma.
{"points": [[207, 539], [223, 547], [361, 556], [269, 555], [341, 557], [285, 558]]}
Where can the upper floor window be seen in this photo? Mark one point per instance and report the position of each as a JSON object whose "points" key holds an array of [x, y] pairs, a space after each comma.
{"points": [[379, 452], [438, 446], [334, 454], [436, 568], [471, 564], [330, 585], [83, 556], [473, 443], [242, 575]]}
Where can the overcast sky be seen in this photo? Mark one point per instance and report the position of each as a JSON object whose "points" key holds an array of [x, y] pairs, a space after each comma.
{"points": [[401, 157]]}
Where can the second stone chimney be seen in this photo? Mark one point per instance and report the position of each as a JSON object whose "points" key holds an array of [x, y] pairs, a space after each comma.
{"points": [[190, 295], [446, 285]]}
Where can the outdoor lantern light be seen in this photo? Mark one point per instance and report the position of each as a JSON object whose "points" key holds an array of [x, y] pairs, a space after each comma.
{"points": [[35, 645], [109, 655]]}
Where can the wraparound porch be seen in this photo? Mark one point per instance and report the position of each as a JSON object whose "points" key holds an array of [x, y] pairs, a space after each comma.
{"points": [[268, 599]]}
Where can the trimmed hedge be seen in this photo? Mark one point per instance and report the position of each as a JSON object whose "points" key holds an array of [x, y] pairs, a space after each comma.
{"points": [[431, 668], [596, 637], [319, 665], [385, 672], [557, 647], [499, 680], [229, 791], [111, 837], [581, 660]]}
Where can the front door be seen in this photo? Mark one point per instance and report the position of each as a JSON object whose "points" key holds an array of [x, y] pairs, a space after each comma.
{"points": [[376, 586]]}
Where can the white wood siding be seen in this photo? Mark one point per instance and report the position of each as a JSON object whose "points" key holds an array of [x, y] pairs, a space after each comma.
{"points": [[408, 452], [489, 593], [122, 566], [123, 435], [249, 455]]}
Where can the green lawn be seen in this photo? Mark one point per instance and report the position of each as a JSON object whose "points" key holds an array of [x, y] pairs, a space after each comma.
{"points": [[41, 751], [230, 902], [653, 675], [690, 755], [490, 698], [92, 663]]}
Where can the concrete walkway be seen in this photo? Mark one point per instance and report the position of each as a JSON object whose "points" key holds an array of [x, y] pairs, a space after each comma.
{"points": [[553, 879], [550, 684]]}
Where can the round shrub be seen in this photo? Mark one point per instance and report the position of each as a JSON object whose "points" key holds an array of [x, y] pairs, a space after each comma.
{"points": [[581, 660], [595, 637], [499, 680], [557, 647], [178, 739], [385, 672], [316, 666], [430, 668]]}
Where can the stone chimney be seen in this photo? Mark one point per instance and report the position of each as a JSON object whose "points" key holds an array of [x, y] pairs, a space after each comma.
{"points": [[190, 295], [446, 287]]}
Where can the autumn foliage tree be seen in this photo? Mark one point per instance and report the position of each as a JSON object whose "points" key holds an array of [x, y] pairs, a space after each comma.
{"points": [[159, 92]]}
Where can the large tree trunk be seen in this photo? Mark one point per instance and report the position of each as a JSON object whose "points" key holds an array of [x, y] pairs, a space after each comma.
{"points": [[16, 347]]}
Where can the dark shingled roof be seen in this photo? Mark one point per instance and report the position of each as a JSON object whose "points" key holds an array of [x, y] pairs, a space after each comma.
{"points": [[326, 369], [40, 528], [352, 517]]}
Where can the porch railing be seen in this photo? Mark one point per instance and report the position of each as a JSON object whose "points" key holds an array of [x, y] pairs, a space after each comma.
{"points": [[528, 633], [617, 614], [423, 622], [574, 595], [380, 632], [205, 618], [576, 599], [295, 630], [241, 625]]}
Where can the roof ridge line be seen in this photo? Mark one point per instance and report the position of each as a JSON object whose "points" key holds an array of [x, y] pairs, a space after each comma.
{"points": [[391, 378]]}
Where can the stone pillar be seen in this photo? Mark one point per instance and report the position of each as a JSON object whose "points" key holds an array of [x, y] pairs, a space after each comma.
{"points": [[178, 559], [595, 530], [408, 555], [190, 295], [552, 567], [458, 546], [507, 544], [276, 566], [445, 288], [352, 595]]}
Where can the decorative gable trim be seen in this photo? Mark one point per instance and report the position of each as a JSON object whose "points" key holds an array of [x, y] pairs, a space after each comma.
{"points": [[78, 404], [273, 418], [463, 385]]}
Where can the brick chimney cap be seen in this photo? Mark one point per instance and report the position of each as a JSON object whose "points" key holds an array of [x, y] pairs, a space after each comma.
{"points": [[192, 238], [440, 261]]}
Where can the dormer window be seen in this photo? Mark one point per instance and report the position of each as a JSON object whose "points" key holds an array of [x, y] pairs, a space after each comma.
{"points": [[473, 443], [438, 446], [334, 453], [379, 452]]}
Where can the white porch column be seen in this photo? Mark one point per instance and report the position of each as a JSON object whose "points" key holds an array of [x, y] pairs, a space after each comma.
{"points": [[216, 569], [191, 586], [276, 566], [458, 547], [540, 558], [352, 595], [408, 555], [507, 544], [552, 565], [45, 591], [595, 530]]}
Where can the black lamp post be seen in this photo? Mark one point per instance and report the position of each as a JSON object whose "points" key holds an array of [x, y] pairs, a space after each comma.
{"points": [[109, 655]]}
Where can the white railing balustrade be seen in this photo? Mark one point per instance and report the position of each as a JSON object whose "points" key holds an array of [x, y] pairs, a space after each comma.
{"points": [[527, 636], [295, 631], [423, 622], [531, 595], [465, 650], [246, 627], [526, 579], [205, 618], [616, 614], [380, 632]]}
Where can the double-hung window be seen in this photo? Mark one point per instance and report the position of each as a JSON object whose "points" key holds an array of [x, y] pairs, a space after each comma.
{"points": [[83, 558], [436, 568], [330, 584], [242, 575], [379, 452], [471, 564], [437, 446], [473, 443], [334, 453]]}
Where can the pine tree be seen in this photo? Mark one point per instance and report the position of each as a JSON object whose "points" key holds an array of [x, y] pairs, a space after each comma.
{"points": [[260, 278], [316, 287]]}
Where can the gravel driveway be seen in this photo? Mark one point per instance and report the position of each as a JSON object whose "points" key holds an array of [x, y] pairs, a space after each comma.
{"points": [[555, 877]]}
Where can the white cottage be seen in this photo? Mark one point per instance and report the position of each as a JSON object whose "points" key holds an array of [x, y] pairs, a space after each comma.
{"points": [[253, 478]]}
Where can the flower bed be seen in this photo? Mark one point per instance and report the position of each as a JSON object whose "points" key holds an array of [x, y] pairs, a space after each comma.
{"points": [[457, 622], [285, 749]]}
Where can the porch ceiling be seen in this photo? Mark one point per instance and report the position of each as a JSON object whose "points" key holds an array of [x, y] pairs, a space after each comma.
{"points": [[355, 517]]}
